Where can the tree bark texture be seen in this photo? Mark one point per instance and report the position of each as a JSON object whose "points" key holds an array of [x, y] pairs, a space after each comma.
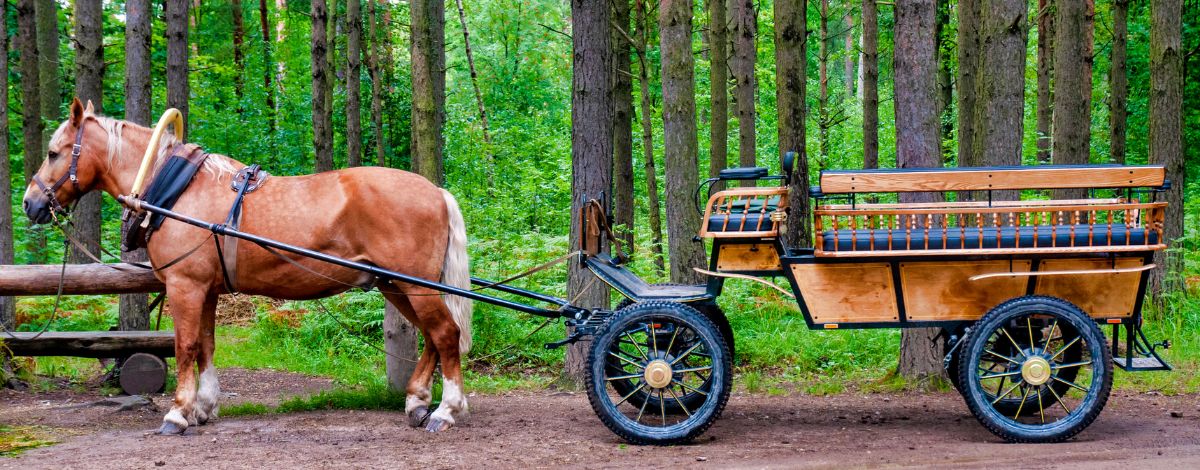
{"points": [[49, 68], [7, 252], [1045, 68], [429, 87], [1166, 126], [848, 68], [89, 87], [354, 149], [679, 137], [591, 149], [824, 121], [134, 311], [1118, 82], [870, 83], [322, 115], [999, 124], [401, 344], [77, 279], [1072, 87], [718, 74], [917, 147], [373, 53], [268, 52], [239, 59], [622, 77], [969, 25], [745, 27], [791, 52], [647, 120], [31, 119], [177, 58]]}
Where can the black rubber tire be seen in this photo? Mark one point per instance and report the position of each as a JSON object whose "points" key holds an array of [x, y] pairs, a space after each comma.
{"points": [[1008, 405], [701, 417], [994, 418], [710, 309]]}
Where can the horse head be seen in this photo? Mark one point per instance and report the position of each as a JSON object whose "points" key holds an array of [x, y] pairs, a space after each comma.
{"points": [[75, 164]]}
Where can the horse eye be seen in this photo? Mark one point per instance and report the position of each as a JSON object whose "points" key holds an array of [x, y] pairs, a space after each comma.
{"points": [[53, 155]]}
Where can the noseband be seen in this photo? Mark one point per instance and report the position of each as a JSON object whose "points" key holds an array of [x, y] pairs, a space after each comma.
{"points": [[71, 173]]}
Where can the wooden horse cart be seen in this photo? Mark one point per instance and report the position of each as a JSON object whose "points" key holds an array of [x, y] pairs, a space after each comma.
{"points": [[1018, 287]]}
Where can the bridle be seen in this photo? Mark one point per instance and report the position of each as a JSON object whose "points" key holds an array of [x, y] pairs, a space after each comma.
{"points": [[71, 174]]}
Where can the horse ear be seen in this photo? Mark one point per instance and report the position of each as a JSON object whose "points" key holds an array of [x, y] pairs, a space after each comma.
{"points": [[76, 112], [89, 109]]}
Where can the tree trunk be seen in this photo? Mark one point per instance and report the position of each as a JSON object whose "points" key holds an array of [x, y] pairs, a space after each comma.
{"points": [[1072, 80], [870, 83], [89, 87], [1000, 120], [177, 58], [745, 27], [718, 39], [1118, 82], [429, 87], [1045, 68], [373, 52], [331, 73], [268, 88], [7, 304], [655, 205], [280, 35], [134, 309], [354, 150], [483, 116], [824, 121], [848, 73], [322, 115], [622, 77], [679, 133], [1166, 127], [239, 61], [791, 63], [31, 119], [917, 146], [969, 26], [49, 67], [591, 149]]}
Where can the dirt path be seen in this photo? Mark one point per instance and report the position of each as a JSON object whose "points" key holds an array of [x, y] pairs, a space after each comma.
{"points": [[546, 429]]}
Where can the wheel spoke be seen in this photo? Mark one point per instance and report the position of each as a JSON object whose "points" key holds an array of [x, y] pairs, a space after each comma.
{"points": [[1070, 365], [1059, 399], [1064, 348], [642, 409], [654, 338], [1072, 384], [686, 353], [639, 348], [1010, 339], [662, 406], [1029, 328], [1006, 392], [1024, 395], [623, 377], [1049, 336], [689, 387], [1041, 409], [680, 402], [1001, 356], [626, 397], [693, 369], [639, 366], [671, 344], [997, 376]]}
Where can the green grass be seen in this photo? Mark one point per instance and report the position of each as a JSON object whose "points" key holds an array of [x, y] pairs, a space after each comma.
{"points": [[17, 439]]}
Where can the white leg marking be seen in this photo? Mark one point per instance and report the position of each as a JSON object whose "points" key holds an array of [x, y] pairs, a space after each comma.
{"points": [[176, 418], [418, 400], [453, 402], [210, 392]]}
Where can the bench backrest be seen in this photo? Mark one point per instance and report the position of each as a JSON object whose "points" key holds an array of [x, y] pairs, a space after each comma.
{"points": [[991, 178]]}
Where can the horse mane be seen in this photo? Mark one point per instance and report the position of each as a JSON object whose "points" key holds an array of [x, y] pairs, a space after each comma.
{"points": [[216, 165]]}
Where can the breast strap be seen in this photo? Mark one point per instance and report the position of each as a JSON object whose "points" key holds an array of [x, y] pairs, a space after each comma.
{"points": [[245, 181]]}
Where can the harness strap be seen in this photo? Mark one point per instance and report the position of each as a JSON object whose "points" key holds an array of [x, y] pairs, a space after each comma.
{"points": [[246, 180]]}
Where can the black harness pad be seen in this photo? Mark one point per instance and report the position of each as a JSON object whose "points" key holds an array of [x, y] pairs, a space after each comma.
{"points": [[165, 189]]}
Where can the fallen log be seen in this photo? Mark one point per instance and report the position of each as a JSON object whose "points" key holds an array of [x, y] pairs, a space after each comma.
{"points": [[80, 279], [96, 344]]}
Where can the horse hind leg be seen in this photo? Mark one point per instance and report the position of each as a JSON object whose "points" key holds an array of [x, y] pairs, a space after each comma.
{"points": [[210, 389], [444, 335], [418, 391]]}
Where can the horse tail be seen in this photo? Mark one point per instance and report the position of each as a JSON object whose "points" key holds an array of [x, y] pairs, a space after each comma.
{"points": [[456, 272]]}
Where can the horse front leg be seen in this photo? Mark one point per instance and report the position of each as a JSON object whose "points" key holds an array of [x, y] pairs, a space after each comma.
{"points": [[210, 388], [187, 304]]}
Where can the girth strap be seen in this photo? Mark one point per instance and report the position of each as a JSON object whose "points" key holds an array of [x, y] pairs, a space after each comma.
{"points": [[245, 181]]}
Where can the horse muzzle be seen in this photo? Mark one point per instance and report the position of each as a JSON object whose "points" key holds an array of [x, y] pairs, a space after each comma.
{"points": [[37, 207]]}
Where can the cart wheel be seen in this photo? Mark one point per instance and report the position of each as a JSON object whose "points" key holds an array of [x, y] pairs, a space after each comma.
{"points": [[710, 309], [664, 351], [1046, 386]]}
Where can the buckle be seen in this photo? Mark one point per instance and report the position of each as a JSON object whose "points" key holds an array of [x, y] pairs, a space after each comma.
{"points": [[76, 149]]}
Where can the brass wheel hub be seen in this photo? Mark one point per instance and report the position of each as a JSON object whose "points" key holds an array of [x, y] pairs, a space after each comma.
{"points": [[658, 373], [1036, 371]]}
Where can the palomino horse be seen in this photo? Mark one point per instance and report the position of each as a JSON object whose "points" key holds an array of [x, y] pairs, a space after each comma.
{"points": [[391, 218]]}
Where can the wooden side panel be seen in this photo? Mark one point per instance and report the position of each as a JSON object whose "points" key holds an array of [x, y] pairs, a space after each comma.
{"points": [[992, 178], [848, 292], [942, 290], [1100, 295], [748, 257]]}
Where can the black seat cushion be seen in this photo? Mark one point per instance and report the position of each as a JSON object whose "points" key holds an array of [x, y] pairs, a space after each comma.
{"points": [[1004, 237]]}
